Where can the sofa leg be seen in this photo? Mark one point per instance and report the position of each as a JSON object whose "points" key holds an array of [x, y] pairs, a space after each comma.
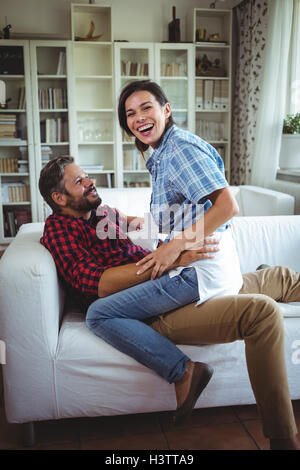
{"points": [[28, 434]]}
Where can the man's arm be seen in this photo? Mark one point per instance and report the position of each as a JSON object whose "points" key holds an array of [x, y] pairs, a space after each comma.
{"points": [[122, 277]]}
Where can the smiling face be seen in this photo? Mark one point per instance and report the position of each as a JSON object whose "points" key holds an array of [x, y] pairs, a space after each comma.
{"points": [[146, 118], [80, 195]]}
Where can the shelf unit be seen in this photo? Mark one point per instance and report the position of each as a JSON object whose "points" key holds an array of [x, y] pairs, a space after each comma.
{"points": [[93, 84], [133, 61], [79, 81], [171, 66], [213, 77], [173, 72], [17, 174], [52, 101]]}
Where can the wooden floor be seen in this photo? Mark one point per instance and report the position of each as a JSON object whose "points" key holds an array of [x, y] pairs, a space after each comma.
{"points": [[232, 428]]}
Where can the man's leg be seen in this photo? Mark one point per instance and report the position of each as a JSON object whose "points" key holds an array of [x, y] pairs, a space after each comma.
{"points": [[278, 282], [258, 321]]}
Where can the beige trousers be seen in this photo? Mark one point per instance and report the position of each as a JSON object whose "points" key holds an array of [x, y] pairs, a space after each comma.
{"points": [[252, 316]]}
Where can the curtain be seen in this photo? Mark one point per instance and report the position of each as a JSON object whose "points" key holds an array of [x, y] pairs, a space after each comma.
{"points": [[293, 96], [272, 106], [250, 26]]}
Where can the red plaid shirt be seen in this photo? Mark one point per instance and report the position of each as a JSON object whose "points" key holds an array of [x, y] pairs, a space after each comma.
{"points": [[83, 249]]}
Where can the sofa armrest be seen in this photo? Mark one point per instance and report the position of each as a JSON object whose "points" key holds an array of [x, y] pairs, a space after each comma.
{"points": [[31, 302], [30, 295], [257, 201]]}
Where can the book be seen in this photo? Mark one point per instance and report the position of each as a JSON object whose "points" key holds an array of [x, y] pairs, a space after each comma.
{"points": [[61, 65]]}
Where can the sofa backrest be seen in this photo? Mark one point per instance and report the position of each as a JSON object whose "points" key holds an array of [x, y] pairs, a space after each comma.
{"points": [[267, 240]]}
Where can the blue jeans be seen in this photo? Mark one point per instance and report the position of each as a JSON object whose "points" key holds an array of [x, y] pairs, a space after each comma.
{"points": [[118, 320]]}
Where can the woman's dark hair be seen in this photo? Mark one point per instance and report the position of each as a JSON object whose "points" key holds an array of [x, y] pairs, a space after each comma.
{"points": [[141, 85], [51, 179]]}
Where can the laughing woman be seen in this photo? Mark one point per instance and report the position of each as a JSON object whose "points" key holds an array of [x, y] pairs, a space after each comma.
{"points": [[190, 202]]}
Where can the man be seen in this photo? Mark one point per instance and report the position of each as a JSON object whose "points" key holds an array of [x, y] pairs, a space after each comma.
{"points": [[97, 267]]}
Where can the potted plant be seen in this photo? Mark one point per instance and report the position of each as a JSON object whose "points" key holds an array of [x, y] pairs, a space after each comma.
{"points": [[290, 143]]}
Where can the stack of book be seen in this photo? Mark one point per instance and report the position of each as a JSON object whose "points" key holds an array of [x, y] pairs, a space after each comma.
{"points": [[21, 99], [8, 165], [133, 161], [8, 126], [136, 184], [212, 94], [13, 219], [134, 69], [15, 192], [173, 70], [53, 98], [54, 130], [211, 131]]}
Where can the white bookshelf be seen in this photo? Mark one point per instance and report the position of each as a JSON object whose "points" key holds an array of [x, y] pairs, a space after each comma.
{"points": [[52, 101], [93, 85], [171, 66], [79, 82], [133, 61], [213, 80], [17, 182]]}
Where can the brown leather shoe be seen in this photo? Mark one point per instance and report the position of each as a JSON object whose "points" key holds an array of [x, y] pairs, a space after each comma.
{"points": [[202, 374]]}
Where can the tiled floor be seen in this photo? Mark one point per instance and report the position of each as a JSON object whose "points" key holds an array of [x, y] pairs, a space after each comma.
{"points": [[234, 428]]}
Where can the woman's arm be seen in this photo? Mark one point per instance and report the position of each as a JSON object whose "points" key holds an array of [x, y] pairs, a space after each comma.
{"points": [[122, 277], [223, 209]]}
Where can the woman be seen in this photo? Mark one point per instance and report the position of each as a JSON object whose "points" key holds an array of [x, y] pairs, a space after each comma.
{"points": [[190, 201]]}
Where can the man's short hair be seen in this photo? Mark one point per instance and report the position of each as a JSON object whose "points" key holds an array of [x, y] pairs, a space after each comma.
{"points": [[52, 179]]}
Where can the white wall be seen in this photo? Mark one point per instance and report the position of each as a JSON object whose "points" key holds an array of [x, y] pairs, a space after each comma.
{"points": [[133, 20]]}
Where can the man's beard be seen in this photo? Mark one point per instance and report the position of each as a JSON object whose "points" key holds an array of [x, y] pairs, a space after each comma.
{"points": [[83, 204]]}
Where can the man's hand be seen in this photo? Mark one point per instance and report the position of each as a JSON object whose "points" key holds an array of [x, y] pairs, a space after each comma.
{"points": [[168, 256]]}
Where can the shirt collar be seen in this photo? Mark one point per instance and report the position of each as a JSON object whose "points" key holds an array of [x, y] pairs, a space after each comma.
{"points": [[92, 218], [156, 153]]}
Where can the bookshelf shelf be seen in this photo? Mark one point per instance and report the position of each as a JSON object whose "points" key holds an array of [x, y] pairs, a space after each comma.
{"points": [[52, 77], [13, 175], [11, 77]]}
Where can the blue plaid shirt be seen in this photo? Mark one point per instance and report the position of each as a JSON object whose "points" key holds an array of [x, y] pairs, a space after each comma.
{"points": [[185, 171]]}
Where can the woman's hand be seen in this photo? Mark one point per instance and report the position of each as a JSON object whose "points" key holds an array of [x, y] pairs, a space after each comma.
{"points": [[170, 255]]}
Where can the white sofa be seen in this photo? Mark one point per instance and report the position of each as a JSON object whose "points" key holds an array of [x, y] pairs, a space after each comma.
{"points": [[252, 200], [56, 368]]}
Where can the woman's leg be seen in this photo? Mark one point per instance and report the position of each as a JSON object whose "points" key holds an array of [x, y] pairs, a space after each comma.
{"points": [[257, 320], [118, 319]]}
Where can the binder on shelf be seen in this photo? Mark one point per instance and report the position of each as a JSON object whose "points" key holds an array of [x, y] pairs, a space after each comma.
{"points": [[217, 94], [208, 94], [224, 94], [199, 94]]}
